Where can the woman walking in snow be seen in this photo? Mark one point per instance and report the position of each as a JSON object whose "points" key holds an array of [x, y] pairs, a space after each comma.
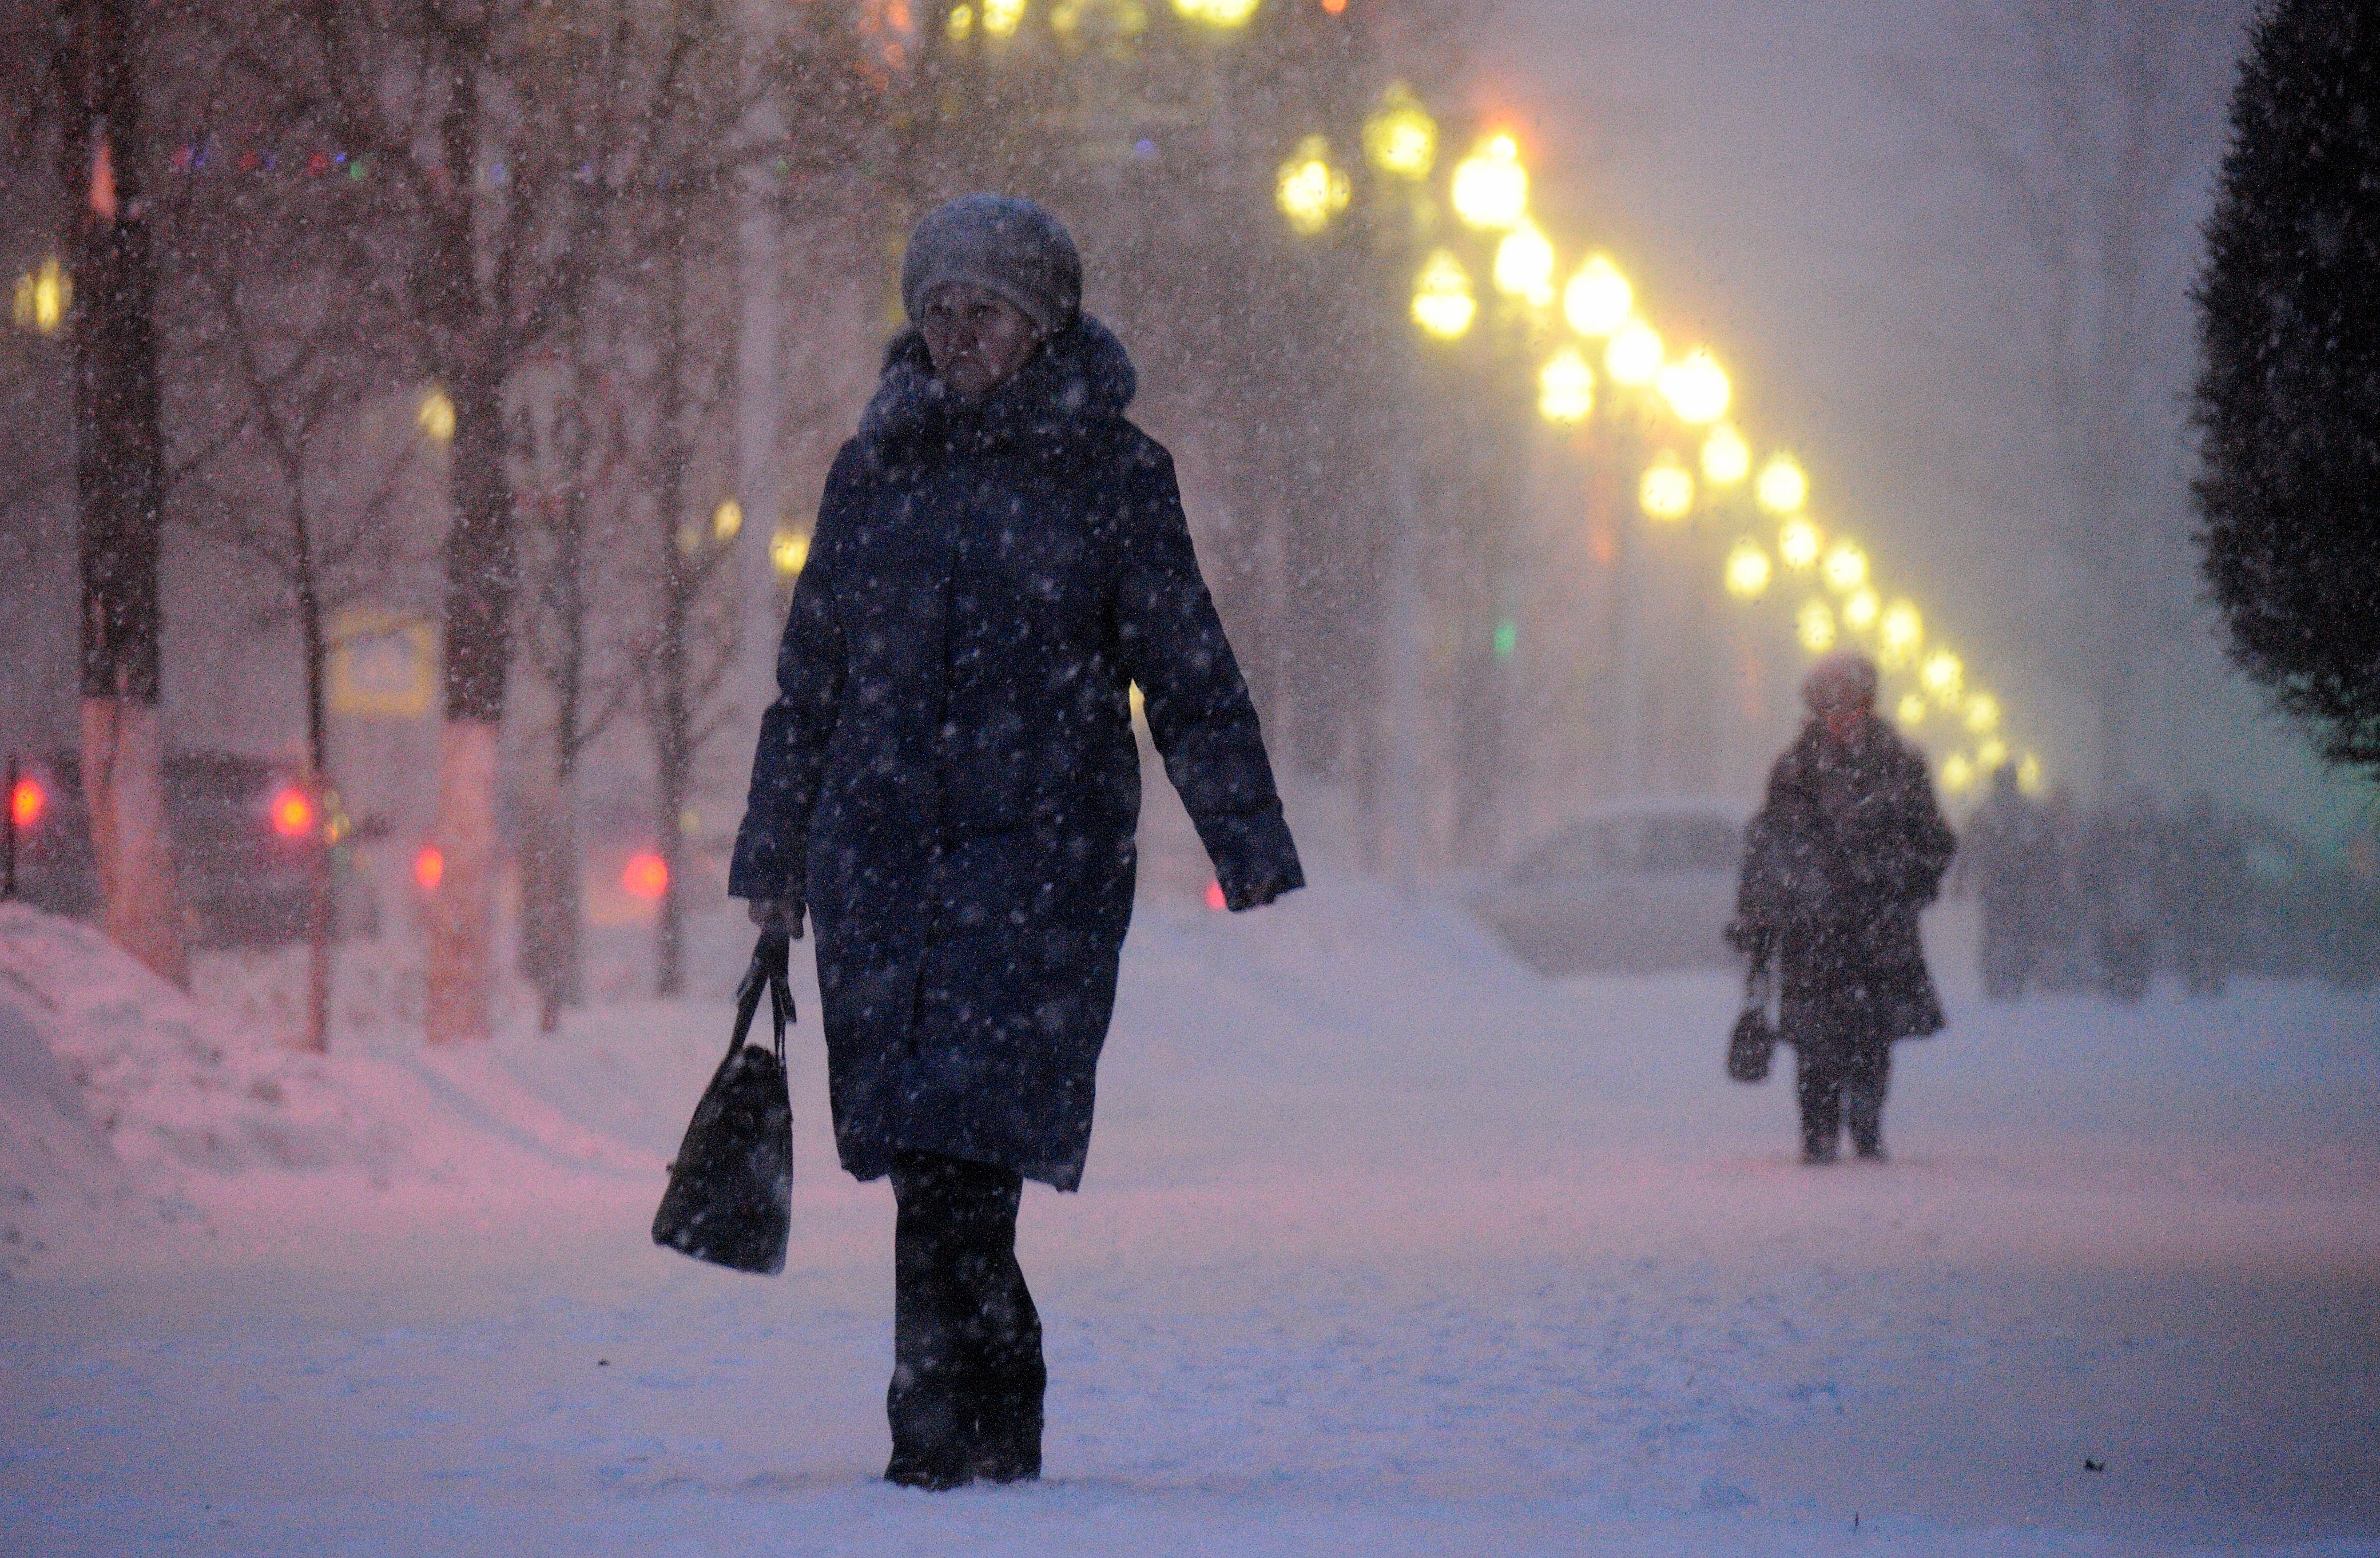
{"points": [[948, 783], [1847, 850]]}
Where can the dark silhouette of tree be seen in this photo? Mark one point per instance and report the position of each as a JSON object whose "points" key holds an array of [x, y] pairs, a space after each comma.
{"points": [[2289, 398]]}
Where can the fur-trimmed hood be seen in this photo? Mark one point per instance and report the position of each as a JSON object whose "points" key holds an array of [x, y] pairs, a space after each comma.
{"points": [[1072, 390]]}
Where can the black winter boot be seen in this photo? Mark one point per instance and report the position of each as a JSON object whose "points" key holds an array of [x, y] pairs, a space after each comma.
{"points": [[967, 1380], [929, 1437], [1008, 1429]]}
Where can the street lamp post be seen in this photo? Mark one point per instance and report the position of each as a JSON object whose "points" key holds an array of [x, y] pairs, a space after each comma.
{"points": [[1400, 152], [1488, 191]]}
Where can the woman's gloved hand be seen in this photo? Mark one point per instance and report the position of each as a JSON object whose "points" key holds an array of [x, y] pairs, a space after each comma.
{"points": [[784, 919], [1242, 895]]}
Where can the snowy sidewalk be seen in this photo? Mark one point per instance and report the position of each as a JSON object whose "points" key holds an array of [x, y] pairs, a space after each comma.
{"points": [[1386, 1247]]}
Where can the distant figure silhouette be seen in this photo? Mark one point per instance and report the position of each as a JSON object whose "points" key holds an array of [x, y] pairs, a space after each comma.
{"points": [[1848, 848]]}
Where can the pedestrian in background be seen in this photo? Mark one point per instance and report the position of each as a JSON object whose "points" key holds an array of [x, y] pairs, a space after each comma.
{"points": [[2058, 958], [2205, 887], [2008, 859], [1846, 851], [2119, 872], [949, 783]]}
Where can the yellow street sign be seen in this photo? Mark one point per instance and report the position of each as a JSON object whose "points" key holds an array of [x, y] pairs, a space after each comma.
{"points": [[384, 665]]}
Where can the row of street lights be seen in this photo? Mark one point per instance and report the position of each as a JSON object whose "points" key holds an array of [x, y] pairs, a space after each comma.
{"points": [[1609, 347], [1602, 345]]}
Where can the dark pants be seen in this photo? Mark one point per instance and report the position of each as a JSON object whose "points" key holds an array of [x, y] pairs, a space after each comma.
{"points": [[1844, 1078], [965, 1400]]}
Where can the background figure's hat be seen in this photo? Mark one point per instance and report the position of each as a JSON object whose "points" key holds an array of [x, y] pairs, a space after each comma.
{"points": [[1843, 678]]}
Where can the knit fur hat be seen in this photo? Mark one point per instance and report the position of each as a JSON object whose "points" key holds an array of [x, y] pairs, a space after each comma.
{"points": [[1845, 678], [1008, 246]]}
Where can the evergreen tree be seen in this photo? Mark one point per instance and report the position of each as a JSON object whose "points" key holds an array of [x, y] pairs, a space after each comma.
{"points": [[2288, 397]]}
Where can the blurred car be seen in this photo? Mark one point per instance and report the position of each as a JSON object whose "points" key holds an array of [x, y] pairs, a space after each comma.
{"points": [[246, 838], [1633, 887]]}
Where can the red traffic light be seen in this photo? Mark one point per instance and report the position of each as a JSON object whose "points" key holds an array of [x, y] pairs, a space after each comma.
{"points": [[429, 868], [26, 804], [646, 876], [291, 812]]}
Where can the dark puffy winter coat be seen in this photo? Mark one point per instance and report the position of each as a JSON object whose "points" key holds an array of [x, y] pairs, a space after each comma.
{"points": [[949, 778], [1848, 848]]}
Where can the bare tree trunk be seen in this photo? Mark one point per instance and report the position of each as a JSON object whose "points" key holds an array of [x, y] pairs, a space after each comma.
{"points": [[318, 784], [672, 722], [563, 912], [1483, 685], [459, 919], [120, 469], [548, 872], [123, 784]]}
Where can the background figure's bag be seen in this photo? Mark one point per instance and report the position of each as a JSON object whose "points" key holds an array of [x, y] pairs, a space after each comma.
{"points": [[1752, 1043], [730, 1196]]}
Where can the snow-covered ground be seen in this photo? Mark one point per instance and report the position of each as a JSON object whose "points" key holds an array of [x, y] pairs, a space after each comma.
{"points": [[1387, 1247]]}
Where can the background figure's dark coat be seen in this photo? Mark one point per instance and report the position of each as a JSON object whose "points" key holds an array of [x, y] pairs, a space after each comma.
{"points": [[1847, 850], [949, 778]]}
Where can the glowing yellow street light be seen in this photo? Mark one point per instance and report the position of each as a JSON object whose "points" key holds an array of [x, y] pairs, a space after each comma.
{"points": [[1001, 18], [1815, 625], [1442, 303], [1599, 299], [1910, 711], [1525, 266], [1565, 387], [1491, 188], [1845, 567], [1861, 609], [1958, 773], [2028, 774], [1309, 191], [1942, 674], [1899, 636], [43, 298], [1223, 14], [1697, 389], [960, 27], [726, 520], [1633, 357], [1990, 753], [1401, 139], [1781, 487], [1667, 489], [1727, 458], [1747, 570], [789, 551], [1983, 713], [1798, 543], [435, 415]]}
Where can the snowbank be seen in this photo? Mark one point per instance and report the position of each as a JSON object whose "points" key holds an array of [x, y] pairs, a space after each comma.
{"points": [[119, 1090], [129, 1113]]}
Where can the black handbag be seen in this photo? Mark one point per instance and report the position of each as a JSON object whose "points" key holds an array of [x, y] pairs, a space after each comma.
{"points": [[1752, 1044], [730, 1196]]}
